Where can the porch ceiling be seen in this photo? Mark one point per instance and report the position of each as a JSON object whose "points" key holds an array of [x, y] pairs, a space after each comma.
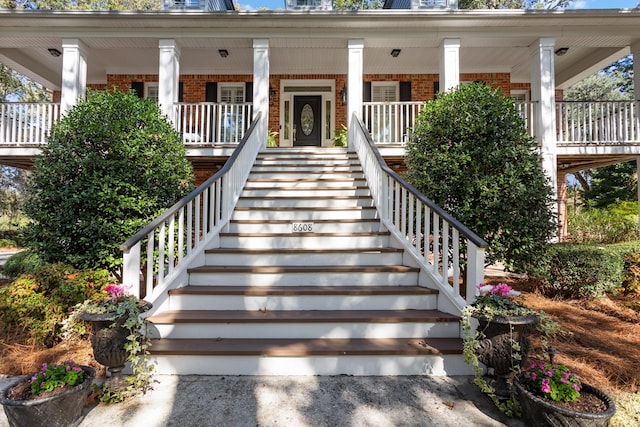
{"points": [[302, 43]]}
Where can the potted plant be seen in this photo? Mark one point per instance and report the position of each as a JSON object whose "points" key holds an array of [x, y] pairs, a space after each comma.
{"points": [[550, 395], [53, 396], [500, 341], [119, 336], [341, 137]]}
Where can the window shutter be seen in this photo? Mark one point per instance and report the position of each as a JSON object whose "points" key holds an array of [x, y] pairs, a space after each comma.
{"points": [[248, 92], [211, 92], [405, 91], [138, 88], [366, 91], [436, 87], [180, 92]]}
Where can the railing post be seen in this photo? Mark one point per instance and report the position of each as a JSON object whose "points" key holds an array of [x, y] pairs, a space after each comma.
{"points": [[131, 269], [475, 271]]}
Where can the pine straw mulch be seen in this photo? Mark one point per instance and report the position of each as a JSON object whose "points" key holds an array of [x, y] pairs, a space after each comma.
{"points": [[602, 343], [600, 339]]}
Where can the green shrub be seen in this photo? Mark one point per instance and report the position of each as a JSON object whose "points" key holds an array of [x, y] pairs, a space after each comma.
{"points": [[611, 225], [24, 262], [38, 303], [7, 243], [577, 271], [14, 236], [471, 154], [110, 166]]}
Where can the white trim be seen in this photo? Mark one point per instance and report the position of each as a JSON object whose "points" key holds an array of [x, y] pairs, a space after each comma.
{"points": [[326, 140], [234, 85]]}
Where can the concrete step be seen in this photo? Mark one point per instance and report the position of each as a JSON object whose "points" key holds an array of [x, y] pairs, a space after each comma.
{"points": [[294, 226], [303, 240], [310, 257], [296, 275], [304, 202], [272, 298], [398, 356], [344, 324], [304, 213]]}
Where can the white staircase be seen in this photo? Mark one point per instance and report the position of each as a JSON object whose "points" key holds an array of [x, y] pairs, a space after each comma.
{"points": [[337, 297]]}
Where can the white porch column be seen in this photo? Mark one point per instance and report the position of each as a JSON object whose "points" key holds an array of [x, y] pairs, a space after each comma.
{"points": [[449, 64], [168, 77], [261, 83], [74, 73], [543, 92], [355, 79]]}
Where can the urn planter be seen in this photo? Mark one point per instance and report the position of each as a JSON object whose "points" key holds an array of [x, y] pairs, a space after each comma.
{"points": [[59, 410], [109, 339], [496, 348], [539, 412]]}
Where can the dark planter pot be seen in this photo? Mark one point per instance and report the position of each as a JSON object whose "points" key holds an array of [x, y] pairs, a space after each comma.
{"points": [[108, 341], [539, 412], [496, 348], [60, 410]]}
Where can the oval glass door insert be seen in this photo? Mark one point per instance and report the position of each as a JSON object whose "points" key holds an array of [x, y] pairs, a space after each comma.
{"points": [[306, 119]]}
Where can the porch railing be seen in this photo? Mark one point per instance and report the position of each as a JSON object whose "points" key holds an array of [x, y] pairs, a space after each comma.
{"points": [[598, 121], [171, 240], [212, 123], [443, 247], [27, 123], [390, 122], [528, 111]]}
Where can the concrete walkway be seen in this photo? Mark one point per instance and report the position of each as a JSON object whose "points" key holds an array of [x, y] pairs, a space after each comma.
{"points": [[267, 401]]}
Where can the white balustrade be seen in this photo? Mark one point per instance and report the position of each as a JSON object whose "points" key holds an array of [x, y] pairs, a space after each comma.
{"points": [[171, 240], [602, 122], [212, 123], [27, 123], [443, 247], [390, 122]]}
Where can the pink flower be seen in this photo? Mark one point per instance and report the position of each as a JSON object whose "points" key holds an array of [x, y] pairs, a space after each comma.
{"points": [[545, 386], [534, 376], [576, 387]]}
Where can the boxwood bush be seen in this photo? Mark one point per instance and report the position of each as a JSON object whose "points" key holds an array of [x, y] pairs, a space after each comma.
{"points": [[577, 271]]}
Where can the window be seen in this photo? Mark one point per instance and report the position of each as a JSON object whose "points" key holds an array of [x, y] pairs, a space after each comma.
{"points": [[385, 116], [151, 91], [384, 92], [231, 93], [233, 117]]}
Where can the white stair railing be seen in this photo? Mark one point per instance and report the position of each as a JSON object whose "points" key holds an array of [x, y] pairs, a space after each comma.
{"points": [[442, 246], [27, 123], [212, 123], [171, 240]]}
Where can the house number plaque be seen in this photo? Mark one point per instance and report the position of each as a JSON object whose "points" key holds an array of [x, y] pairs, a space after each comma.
{"points": [[302, 227]]}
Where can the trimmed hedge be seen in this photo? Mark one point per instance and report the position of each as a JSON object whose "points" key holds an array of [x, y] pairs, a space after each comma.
{"points": [[577, 271]]}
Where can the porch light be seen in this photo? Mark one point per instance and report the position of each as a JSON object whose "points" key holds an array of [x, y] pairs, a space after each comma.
{"points": [[343, 95], [54, 52], [395, 52], [562, 51], [223, 53], [272, 95]]}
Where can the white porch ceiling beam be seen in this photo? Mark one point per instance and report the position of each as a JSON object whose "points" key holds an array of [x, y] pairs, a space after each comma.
{"points": [[27, 66]]}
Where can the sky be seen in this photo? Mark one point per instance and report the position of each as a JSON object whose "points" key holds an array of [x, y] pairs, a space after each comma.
{"points": [[577, 4]]}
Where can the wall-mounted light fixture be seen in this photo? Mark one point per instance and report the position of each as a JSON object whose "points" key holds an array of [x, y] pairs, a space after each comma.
{"points": [[54, 52], [343, 95], [562, 51], [223, 53], [395, 52], [272, 95]]}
